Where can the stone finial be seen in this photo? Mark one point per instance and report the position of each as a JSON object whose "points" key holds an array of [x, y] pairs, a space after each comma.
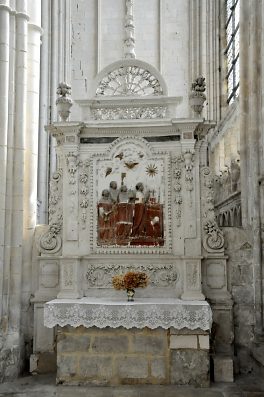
{"points": [[64, 101], [197, 96], [129, 41]]}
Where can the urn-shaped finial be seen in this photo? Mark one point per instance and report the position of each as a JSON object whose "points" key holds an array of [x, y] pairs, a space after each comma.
{"points": [[64, 101], [197, 96]]}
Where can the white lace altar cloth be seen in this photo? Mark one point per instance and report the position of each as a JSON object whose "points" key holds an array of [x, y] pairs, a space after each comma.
{"points": [[151, 313]]}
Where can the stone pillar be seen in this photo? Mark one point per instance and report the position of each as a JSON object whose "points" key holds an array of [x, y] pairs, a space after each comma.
{"points": [[4, 81], [19, 153], [250, 127], [44, 115], [31, 148]]}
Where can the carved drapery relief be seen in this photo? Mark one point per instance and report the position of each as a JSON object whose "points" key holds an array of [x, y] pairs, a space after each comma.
{"points": [[84, 190], [177, 164], [129, 81], [51, 241], [213, 239], [100, 275], [130, 113]]}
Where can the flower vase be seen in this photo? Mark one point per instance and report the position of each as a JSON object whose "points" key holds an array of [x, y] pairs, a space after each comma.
{"points": [[130, 294]]}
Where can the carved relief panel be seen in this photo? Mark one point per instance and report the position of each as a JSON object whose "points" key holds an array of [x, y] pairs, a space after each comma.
{"points": [[129, 196]]}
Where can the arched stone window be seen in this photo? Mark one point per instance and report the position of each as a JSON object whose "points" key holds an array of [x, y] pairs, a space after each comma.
{"points": [[130, 78], [232, 49]]}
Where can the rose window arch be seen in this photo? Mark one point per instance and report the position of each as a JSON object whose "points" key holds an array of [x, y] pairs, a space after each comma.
{"points": [[130, 78]]}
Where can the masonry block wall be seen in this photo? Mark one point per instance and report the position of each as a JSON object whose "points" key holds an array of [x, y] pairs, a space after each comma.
{"points": [[137, 356]]}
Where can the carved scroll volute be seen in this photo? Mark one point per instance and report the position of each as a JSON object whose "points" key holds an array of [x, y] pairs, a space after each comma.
{"points": [[213, 239], [50, 241]]}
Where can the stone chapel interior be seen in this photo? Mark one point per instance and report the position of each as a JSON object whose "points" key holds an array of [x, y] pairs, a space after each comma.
{"points": [[131, 139]]}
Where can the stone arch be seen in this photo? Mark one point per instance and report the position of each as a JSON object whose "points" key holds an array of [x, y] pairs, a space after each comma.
{"points": [[129, 77]]}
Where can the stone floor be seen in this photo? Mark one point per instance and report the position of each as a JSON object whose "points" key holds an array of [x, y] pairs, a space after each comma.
{"points": [[44, 386]]}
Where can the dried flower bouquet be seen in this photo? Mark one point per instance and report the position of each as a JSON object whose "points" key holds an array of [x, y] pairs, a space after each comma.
{"points": [[129, 282]]}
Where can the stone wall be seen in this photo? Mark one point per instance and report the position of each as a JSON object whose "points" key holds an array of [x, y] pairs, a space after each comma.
{"points": [[120, 356], [241, 284]]}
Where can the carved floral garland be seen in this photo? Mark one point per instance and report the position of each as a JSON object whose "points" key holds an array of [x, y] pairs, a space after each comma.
{"points": [[177, 187], [84, 190]]}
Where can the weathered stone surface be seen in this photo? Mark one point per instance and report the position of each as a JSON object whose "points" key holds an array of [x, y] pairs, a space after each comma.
{"points": [[95, 367], [110, 344], [70, 343], [158, 368], [66, 366], [132, 367], [149, 344], [204, 342], [190, 367], [223, 369], [243, 294], [183, 342]]}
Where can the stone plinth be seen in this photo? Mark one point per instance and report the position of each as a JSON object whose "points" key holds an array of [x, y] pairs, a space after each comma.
{"points": [[136, 356], [148, 341]]}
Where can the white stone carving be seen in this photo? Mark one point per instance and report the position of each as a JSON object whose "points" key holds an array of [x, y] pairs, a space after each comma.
{"points": [[129, 81], [50, 242], [151, 313], [127, 162], [130, 112], [213, 239], [177, 163], [84, 190], [67, 275], [197, 96], [193, 278], [129, 41], [49, 274], [64, 101], [100, 275], [188, 156], [72, 164]]}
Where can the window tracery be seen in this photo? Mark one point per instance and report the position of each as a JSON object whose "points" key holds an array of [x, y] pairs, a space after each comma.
{"points": [[232, 49]]}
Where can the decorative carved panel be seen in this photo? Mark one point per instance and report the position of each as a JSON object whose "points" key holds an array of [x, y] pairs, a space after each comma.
{"points": [[100, 275], [131, 198]]}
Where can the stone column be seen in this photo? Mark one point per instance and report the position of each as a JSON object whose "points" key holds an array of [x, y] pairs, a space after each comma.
{"points": [[31, 147], [255, 60], [4, 80], [44, 114]]}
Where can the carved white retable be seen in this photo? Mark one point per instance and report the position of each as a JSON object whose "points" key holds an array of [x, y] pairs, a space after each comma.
{"points": [[147, 312]]}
